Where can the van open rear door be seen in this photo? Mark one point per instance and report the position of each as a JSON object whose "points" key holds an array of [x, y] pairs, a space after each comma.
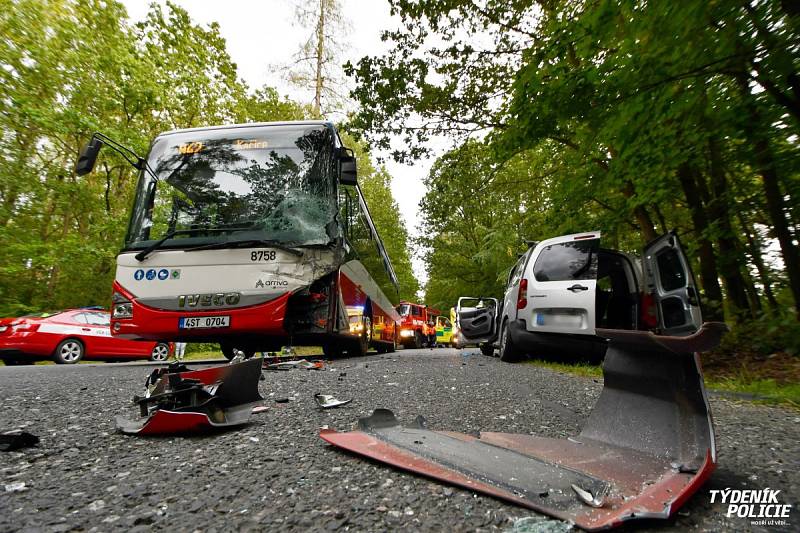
{"points": [[477, 319], [669, 279]]}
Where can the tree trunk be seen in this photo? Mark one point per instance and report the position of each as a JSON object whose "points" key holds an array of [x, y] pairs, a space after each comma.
{"points": [[712, 301], [641, 215], [729, 258], [752, 293], [765, 166], [754, 246], [320, 60]]}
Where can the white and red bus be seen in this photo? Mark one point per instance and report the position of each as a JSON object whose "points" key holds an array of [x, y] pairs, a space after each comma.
{"points": [[254, 236]]}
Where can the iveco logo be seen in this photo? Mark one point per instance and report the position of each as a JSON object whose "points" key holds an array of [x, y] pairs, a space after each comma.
{"points": [[208, 300]]}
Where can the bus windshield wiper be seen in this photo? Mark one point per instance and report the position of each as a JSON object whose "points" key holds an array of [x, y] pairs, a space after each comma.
{"points": [[147, 251], [245, 243]]}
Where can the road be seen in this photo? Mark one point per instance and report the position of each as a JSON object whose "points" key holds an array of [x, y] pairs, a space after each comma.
{"points": [[277, 474]]}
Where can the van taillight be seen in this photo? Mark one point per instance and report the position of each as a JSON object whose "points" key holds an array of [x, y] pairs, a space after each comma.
{"points": [[522, 295], [649, 314]]}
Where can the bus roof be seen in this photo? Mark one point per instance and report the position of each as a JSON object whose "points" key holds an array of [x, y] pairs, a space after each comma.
{"points": [[250, 125]]}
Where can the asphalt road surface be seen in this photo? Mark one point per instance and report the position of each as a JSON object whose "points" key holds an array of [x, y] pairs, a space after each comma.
{"points": [[277, 474]]}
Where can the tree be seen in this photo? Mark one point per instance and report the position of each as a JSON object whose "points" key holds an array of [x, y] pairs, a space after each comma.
{"points": [[649, 114], [317, 63], [72, 68]]}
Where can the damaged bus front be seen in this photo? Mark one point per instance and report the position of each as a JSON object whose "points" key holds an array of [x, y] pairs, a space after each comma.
{"points": [[253, 236]]}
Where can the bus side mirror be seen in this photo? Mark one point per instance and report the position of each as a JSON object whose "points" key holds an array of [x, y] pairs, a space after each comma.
{"points": [[347, 167], [88, 156]]}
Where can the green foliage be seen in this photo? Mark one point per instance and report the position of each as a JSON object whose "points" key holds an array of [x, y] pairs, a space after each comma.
{"points": [[764, 336], [627, 117], [68, 69], [386, 214]]}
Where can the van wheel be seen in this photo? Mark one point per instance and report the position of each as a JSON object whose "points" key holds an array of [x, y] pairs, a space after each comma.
{"points": [[508, 352], [69, 352]]}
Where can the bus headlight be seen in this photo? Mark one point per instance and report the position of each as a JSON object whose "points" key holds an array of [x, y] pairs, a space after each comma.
{"points": [[122, 307], [406, 333]]}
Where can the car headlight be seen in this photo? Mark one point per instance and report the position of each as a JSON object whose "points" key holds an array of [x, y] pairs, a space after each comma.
{"points": [[122, 307]]}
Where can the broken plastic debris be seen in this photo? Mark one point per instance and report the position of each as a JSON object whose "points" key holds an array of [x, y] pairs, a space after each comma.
{"points": [[197, 401], [655, 380], [259, 409], [300, 363], [586, 497], [326, 401], [14, 440]]}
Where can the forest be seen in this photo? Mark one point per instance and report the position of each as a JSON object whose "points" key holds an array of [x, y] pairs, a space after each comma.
{"points": [[633, 118], [70, 68]]}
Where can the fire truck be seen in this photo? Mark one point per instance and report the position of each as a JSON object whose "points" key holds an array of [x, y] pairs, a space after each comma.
{"points": [[417, 324]]}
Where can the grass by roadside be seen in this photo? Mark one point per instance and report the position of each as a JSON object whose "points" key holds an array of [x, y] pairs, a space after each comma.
{"points": [[303, 351], [763, 390], [753, 387]]}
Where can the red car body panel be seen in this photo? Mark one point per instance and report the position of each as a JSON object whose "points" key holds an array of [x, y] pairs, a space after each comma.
{"points": [[38, 337]]}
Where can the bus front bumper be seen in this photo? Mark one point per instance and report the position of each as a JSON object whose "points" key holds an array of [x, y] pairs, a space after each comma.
{"points": [[160, 325]]}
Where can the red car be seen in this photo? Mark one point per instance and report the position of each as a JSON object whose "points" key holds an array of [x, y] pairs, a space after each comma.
{"points": [[67, 337]]}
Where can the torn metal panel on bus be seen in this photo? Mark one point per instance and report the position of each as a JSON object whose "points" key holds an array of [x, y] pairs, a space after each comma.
{"points": [[647, 446], [199, 401]]}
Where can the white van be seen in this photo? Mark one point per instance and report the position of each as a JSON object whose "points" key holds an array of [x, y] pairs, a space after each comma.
{"points": [[563, 288]]}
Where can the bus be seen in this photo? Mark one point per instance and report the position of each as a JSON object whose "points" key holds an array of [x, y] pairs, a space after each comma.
{"points": [[253, 236]]}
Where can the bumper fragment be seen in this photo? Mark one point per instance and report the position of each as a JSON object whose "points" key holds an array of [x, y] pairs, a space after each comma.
{"points": [[647, 446], [199, 401]]}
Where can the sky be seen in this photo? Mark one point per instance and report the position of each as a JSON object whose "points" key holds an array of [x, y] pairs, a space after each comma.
{"points": [[261, 34]]}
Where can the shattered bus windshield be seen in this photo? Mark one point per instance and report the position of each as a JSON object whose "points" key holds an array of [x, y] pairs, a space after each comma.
{"points": [[272, 183]]}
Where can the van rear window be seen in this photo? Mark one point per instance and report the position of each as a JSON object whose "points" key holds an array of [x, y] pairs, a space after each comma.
{"points": [[567, 261], [670, 270]]}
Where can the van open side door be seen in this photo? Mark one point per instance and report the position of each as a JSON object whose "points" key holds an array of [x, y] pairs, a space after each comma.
{"points": [[476, 319], [669, 279]]}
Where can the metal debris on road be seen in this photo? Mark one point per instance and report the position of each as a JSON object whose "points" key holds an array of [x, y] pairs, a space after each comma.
{"points": [[326, 401], [15, 440], [647, 446], [299, 363], [539, 524], [17, 486], [196, 401], [586, 497]]}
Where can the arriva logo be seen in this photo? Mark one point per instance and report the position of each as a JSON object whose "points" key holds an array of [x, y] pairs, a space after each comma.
{"points": [[208, 300]]}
